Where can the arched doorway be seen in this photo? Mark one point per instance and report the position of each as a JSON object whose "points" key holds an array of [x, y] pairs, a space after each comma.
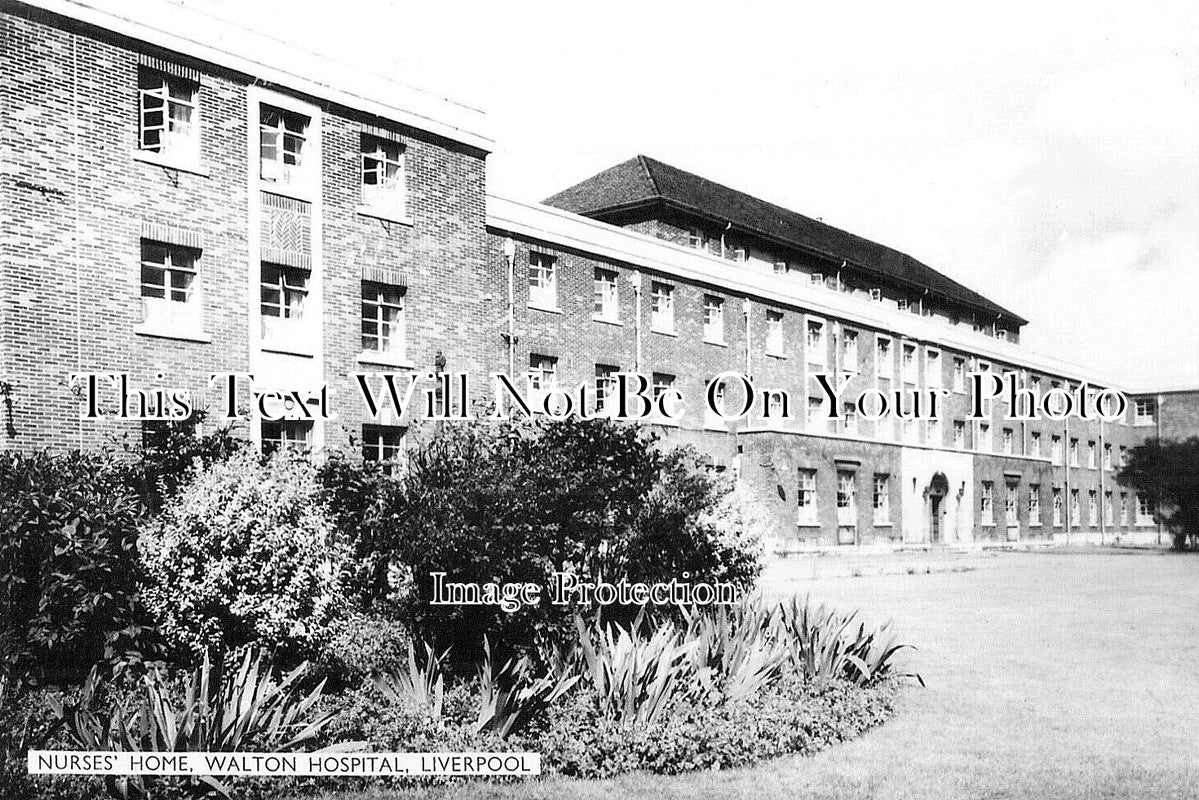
{"points": [[938, 488]]}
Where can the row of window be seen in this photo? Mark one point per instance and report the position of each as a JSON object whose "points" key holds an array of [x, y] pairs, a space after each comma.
{"points": [[1143, 509], [543, 293], [169, 127], [170, 281]]}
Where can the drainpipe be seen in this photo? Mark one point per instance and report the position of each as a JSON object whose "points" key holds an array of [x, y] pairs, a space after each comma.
{"points": [[1066, 464], [635, 281], [1157, 500], [745, 308], [510, 256], [727, 228], [1102, 496]]}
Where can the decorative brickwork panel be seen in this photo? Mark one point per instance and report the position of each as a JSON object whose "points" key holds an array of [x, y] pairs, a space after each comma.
{"points": [[286, 224]]}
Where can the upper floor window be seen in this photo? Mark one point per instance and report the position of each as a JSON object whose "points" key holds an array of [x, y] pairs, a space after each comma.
{"points": [[849, 350], [1107, 456], [606, 298], [543, 373], [605, 384], [774, 332], [1074, 452], [882, 357], [959, 374], [284, 290], [543, 280], [908, 366], [1091, 454], [959, 434], [169, 286], [1055, 453], [382, 319], [1008, 444], [713, 319], [1034, 444], [815, 341], [697, 239], [984, 437], [1144, 412], [932, 368], [282, 144], [661, 307], [169, 115], [383, 180]]}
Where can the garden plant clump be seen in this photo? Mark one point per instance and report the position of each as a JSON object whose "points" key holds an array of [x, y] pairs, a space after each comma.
{"points": [[232, 602]]}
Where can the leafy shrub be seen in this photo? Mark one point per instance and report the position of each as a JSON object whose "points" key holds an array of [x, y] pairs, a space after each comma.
{"points": [[170, 453], [362, 645], [215, 710], [521, 500], [68, 566], [243, 556], [27, 722]]}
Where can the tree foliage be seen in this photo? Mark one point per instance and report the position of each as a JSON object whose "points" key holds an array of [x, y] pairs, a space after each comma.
{"points": [[1168, 471]]}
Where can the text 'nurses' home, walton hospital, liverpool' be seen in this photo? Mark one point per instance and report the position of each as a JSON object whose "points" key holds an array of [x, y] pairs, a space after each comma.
{"points": [[182, 205]]}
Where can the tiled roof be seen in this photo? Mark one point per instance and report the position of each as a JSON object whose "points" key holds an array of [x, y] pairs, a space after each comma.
{"points": [[643, 181]]}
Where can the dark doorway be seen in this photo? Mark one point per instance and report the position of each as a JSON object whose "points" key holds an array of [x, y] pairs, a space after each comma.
{"points": [[938, 487]]}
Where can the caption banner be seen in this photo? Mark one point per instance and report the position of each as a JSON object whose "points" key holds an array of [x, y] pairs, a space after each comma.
{"points": [[107, 762]]}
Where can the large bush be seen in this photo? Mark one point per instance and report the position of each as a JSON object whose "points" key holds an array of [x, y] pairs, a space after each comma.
{"points": [[245, 554], [515, 502], [68, 565], [1168, 471]]}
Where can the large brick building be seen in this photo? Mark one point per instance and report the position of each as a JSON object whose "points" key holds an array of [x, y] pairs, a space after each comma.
{"points": [[180, 205]]}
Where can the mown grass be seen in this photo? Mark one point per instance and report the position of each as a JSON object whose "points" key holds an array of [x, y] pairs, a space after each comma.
{"points": [[1049, 676]]}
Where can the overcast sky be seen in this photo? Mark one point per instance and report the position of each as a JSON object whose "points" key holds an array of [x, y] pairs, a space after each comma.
{"points": [[1043, 153]]}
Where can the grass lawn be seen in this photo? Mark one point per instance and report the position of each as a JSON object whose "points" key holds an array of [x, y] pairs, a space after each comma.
{"points": [[1050, 675]]}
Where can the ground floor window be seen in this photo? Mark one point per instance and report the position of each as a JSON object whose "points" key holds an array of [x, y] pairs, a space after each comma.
{"points": [[1010, 512], [286, 434], [847, 498], [1057, 508], [882, 499], [383, 443], [1144, 509], [986, 503], [1034, 504], [1093, 507], [806, 493]]}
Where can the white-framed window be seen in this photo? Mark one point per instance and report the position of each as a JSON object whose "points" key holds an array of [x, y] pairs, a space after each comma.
{"points": [[1123, 456], [817, 417], [959, 434], [1034, 443], [283, 145], [543, 280], [1055, 451], [849, 350], [1125, 511], [1034, 504], [383, 443], [849, 419], [1073, 452], [882, 499], [607, 295], [907, 363], [1075, 508], [283, 295], [1091, 454], [1057, 507], [1092, 507], [805, 493], [718, 400], [169, 115], [697, 239], [605, 384], [1010, 507], [774, 332], [384, 183], [984, 437], [959, 374], [543, 376], [884, 365], [1008, 443], [847, 497], [661, 382], [168, 275], [1144, 411], [780, 268], [1144, 509], [285, 434], [814, 341], [713, 319], [986, 503], [383, 319], [932, 433], [775, 405], [1108, 510], [932, 368], [661, 316]]}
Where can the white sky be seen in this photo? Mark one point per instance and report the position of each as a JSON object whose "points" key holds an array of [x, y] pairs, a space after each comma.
{"points": [[1045, 154]]}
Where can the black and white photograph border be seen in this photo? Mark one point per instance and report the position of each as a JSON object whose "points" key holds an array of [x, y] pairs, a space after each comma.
{"points": [[519, 400]]}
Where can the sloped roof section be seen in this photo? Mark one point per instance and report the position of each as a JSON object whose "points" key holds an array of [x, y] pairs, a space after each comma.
{"points": [[643, 181]]}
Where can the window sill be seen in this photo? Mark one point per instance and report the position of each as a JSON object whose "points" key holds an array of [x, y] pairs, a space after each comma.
{"points": [[878, 524], [717, 342], [172, 333], [807, 524], [547, 309], [774, 354], [301, 193], [284, 349], [606, 320], [166, 162], [662, 331], [383, 359], [816, 364], [385, 215], [986, 524]]}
